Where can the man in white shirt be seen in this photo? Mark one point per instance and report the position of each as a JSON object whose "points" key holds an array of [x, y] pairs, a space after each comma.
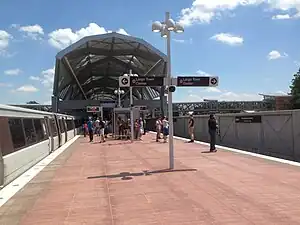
{"points": [[97, 127], [158, 125], [101, 130]]}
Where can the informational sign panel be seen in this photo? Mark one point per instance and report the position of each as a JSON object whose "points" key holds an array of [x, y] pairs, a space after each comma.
{"points": [[93, 109], [146, 81], [126, 81], [248, 119], [197, 81]]}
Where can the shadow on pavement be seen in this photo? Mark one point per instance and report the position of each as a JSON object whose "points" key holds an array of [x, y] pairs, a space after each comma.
{"points": [[128, 175]]}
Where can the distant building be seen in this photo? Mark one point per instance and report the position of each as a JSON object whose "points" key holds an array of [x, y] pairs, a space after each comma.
{"points": [[278, 102]]}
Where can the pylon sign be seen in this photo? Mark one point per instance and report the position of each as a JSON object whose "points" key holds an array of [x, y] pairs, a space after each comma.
{"points": [[197, 81]]}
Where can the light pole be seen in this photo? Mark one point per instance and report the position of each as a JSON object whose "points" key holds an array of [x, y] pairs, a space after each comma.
{"points": [[131, 105], [165, 29], [119, 92]]}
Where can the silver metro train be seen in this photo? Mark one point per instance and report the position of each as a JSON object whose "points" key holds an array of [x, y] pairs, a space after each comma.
{"points": [[27, 136]]}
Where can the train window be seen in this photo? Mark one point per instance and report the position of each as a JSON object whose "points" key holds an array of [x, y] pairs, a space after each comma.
{"points": [[69, 125], [29, 131], [17, 134], [53, 127], [62, 127], [39, 129]]}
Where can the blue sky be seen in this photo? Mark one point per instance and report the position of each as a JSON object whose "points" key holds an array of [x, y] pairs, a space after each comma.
{"points": [[251, 45]]}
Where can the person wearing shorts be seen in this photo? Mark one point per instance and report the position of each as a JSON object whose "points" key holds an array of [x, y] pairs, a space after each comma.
{"points": [[158, 125], [101, 130], [165, 124]]}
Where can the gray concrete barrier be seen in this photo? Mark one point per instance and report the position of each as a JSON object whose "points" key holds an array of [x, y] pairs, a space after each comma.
{"points": [[276, 134]]}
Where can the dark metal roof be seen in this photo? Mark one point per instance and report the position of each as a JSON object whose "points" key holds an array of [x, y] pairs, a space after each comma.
{"points": [[90, 68]]}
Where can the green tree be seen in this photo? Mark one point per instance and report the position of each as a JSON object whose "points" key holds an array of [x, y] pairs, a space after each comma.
{"points": [[295, 90], [32, 102]]}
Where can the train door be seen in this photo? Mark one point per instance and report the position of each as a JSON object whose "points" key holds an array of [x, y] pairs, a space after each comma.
{"points": [[64, 120], [74, 127], [58, 130], [49, 133]]}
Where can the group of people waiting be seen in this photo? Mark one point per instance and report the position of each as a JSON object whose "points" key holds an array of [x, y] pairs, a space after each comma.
{"points": [[124, 128], [97, 127], [162, 126]]}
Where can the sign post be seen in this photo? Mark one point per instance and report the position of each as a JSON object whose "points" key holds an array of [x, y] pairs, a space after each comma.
{"points": [[181, 81]]}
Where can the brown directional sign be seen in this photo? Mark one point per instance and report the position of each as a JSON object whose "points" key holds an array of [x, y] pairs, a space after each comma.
{"points": [[197, 81], [146, 81]]}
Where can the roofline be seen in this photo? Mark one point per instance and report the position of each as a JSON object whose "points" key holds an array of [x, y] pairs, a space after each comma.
{"points": [[82, 41]]}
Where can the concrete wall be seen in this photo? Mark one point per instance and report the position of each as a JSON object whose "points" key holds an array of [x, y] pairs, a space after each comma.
{"points": [[277, 135]]}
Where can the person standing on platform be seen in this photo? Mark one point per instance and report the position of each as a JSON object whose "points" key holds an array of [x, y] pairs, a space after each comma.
{"points": [[101, 130], [212, 129], [137, 129], [141, 127], [90, 129], [158, 125], [165, 124], [97, 127], [191, 128]]}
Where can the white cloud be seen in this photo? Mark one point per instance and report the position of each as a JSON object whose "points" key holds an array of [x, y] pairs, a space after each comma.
{"points": [[183, 41], [122, 31], [13, 72], [203, 11], [33, 31], [179, 40], [276, 55], [34, 78], [46, 78], [4, 40], [202, 73], [227, 38], [5, 85], [62, 38], [281, 17], [27, 88]]}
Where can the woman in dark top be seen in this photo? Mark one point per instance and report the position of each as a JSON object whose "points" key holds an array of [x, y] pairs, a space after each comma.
{"points": [[212, 129]]}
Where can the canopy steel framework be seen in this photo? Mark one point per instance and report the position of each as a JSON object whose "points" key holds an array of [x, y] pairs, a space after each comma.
{"points": [[89, 69]]}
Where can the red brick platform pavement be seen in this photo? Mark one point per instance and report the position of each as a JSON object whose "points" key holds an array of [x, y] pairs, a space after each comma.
{"points": [[226, 188]]}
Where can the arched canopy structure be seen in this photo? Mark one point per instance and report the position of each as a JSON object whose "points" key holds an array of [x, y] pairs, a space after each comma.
{"points": [[89, 69]]}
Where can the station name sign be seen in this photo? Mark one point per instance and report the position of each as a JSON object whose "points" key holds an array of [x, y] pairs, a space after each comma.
{"points": [[197, 81], [126, 81], [146, 81]]}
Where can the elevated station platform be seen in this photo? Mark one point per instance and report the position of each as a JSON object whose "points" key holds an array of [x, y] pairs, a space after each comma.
{"points": [[123, 183]]}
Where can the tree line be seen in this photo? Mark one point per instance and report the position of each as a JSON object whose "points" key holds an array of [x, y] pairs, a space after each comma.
{"points": [[295, 90]]}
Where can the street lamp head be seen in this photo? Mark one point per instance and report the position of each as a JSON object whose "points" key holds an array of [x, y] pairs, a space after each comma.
{"points": [[157, 26], [116, 92], [170, 25], [135, 75], [122, 92], [164, 32], [179, 28], [125, 75]]}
